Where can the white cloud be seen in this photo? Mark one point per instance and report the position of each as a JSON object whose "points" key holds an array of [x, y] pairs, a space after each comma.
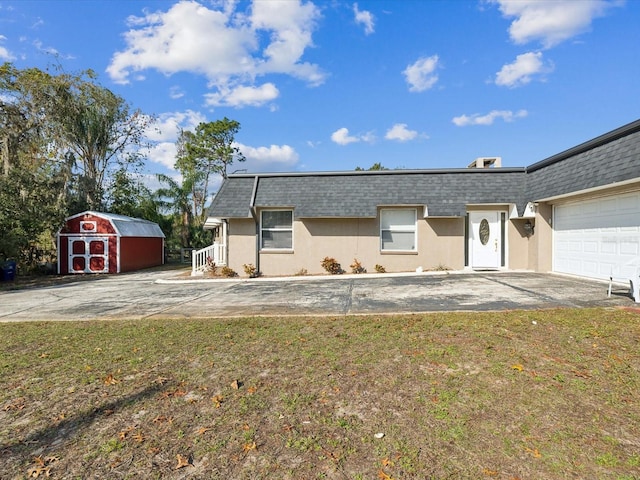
{"points": [[242, 96], [163, 134], [226, 46], [489, 118], [551, 21], [520, 72], [421, 75], [342, 137], [365, 18], [267, 159], [168, 125], [176, 92], [163, 153], [401, 133], [291, 24], [5, 54]]}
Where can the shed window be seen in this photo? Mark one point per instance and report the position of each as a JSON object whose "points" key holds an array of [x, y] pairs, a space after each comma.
{"points": [[276, 229], [398, 230]]}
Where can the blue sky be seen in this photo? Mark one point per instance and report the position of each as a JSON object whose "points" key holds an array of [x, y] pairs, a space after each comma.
{"points": [[332, 85]]}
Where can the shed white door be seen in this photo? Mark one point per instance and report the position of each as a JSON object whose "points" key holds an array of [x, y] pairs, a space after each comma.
{"points": [[88, 255], [485, 239], [597, 238]]}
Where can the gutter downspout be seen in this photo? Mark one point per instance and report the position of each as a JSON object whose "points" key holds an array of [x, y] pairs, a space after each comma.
{"points": [[254, 214]]}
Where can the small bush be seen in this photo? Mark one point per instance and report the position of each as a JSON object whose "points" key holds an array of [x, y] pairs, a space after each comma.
{"points": [[441, 268], [331, 265], [302, 272], [356, 267], [211, 266], [251, 270], [228, 272], [379, 268]]}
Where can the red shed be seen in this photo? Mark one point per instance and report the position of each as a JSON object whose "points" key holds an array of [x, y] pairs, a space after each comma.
{"points": [[95, 242]]}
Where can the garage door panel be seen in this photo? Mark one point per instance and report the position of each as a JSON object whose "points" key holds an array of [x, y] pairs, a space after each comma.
{"points": [[590, 247], [630, 248], [608, 247], [596, 238]]}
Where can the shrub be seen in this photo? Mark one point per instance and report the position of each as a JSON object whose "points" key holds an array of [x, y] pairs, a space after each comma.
{"points": [[228, 272], [441, 268], [251, 270], [379, 268], [302, 272], [211, 266], [331, 265], [356, 267]]}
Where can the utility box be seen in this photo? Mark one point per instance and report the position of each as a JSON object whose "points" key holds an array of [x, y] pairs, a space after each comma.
{"points": [[96, 242]]}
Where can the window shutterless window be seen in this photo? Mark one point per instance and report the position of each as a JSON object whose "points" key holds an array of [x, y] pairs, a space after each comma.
{"points": [[398, 230], [276, 229]]}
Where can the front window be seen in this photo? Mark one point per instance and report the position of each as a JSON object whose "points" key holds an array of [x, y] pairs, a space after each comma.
{"points": [[276, 229], [398, 229]]}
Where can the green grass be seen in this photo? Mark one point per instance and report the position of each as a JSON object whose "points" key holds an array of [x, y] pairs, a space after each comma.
{"points": [[521, 394]]}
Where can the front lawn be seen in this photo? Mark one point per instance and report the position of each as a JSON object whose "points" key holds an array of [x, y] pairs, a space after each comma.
{"points": [[513, 395]]}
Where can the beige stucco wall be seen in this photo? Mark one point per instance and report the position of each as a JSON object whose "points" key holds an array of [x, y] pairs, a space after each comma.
{"points": [[241, 246], [440, 245], [541, 252], [518, 245]]}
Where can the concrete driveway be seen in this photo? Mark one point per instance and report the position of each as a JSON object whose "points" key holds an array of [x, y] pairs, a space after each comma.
{"points": [[161, 294]]}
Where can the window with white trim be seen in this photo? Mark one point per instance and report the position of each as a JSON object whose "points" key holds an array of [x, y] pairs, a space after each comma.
{"points": [[276, 229], [398, 230]]}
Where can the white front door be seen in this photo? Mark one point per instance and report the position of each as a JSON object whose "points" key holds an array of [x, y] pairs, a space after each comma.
{"points": [[485, 244]]}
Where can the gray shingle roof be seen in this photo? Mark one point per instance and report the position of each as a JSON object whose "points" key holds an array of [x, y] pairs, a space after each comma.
{"points": [[233, 200], [359, 194], [609, 158], [612, 157]]}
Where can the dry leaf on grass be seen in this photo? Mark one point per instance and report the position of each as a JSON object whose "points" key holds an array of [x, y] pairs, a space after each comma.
{"points": [[534, 452], [217, 400], [383, 476], [182, 461], [249, 446], [42, 467], [124, 433]]}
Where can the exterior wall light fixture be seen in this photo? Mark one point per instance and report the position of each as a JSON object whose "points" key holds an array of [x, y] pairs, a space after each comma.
{"points": [[528, 228]]}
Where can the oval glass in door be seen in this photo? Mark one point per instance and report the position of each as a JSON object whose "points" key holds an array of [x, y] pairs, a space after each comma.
{"points": [[484, 231]]}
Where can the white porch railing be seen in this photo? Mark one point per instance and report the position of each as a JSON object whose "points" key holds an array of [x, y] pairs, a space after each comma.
{"points": [[200, 259]]}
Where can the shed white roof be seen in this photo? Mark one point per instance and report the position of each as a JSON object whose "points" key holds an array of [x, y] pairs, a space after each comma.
{"points": [[129, 226]]}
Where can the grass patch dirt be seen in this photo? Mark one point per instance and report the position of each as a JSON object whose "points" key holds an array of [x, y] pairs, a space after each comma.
{"points": [[513, 395]]}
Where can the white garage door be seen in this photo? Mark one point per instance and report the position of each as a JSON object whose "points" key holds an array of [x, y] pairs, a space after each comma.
{"points": [[596, 238]]}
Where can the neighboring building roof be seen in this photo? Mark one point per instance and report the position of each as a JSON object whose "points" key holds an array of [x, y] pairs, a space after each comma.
{"points": [[610, 158]]}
